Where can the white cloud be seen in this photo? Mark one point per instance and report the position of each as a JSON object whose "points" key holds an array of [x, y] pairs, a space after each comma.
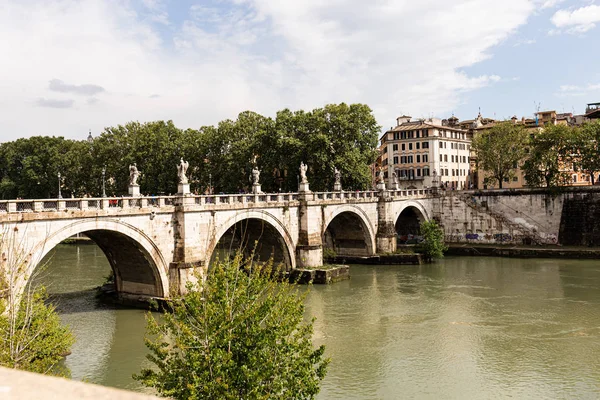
{"points": [[232, 56], [550, 3], [578, 20], [578, 90]]}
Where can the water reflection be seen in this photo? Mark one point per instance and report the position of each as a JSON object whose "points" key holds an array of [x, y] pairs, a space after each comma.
{"points": [[460, 328]]}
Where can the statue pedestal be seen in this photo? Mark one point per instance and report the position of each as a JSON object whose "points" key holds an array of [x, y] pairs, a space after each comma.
{"points": [[134, 190], [256, 188], [381, 185], [395, 186], [303, 187], [183, 189], [337, 187]]}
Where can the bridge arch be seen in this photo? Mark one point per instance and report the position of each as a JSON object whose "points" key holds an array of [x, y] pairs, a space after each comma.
{"points": [[348, 231], [407, 218], [138, 264], [249, 222]]}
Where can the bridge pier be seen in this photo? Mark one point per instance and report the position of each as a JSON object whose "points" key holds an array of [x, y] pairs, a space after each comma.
{"points": [[309, 249], [386, 229]]}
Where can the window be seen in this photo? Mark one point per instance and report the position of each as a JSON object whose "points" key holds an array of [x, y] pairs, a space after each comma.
{"points": [[574, 178], [452, 172], [425, 145], [515, 179], [395, 147], [425, 158], [505, 179], [418, 171], [418, 134], [446, 157], [396, 160], [451, 158], [385, 150], [441, 158], [446, 171], [418, 145], [425, 133], [441, 145], [403, 146], [425, 171], [418, 158], [410, 146], [385, 162], [385, 174], [396, 135]]}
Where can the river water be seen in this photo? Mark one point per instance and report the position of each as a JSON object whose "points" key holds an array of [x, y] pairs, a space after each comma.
{"points": [[461, 328]]}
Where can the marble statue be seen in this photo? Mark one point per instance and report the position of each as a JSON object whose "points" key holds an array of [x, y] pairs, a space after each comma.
{"points": [[337, 175], [181, 170], [255, 175], [380, 174], [303, 168], [133, 175], [395, 177]]}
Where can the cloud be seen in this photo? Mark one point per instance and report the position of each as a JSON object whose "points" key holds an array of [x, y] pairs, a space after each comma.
{"points": [[524, 42], [550, 3], [54, 103], [56, 85], [578, 20], [214, 61], [578, 90]]}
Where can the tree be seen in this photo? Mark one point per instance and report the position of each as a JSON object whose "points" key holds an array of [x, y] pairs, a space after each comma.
{"points": [[239, 334], [433, 245], [549, 152], [31, 336], [500, 150], [587, 149]]}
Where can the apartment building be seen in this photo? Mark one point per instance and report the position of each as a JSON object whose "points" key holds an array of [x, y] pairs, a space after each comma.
{"points": [[414, 150]]}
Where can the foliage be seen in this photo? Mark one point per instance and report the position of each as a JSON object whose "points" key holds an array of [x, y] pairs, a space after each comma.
{"points": [[500, 150], [31, 335], [221, 156], [238, 334], [549, 153], [433, 245], [587, 149]]}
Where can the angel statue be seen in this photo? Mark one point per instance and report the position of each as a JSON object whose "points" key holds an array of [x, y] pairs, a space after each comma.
{"points": [[181, 170], [303, 169], [337, 175], [133, 175], [255, 175]]}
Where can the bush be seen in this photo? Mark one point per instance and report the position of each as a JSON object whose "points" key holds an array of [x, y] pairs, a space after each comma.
{"points": [[433, 245], [239, 334]]}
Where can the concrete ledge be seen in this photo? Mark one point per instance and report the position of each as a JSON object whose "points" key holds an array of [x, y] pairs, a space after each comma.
{"points": [[320, 276], [523, 252], [384, 259], [22, 385]]}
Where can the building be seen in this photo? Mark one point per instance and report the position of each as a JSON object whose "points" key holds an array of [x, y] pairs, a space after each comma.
{"points": [[592, 111], [415, 150]]}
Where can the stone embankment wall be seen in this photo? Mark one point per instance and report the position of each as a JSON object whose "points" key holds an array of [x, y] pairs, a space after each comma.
{"points": [[579, 223], [526, 216]]}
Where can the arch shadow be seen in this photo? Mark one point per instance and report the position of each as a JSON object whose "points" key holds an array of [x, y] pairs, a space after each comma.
{"points": [[347, 231], [137, 263], [241, 232], [408, 222]]}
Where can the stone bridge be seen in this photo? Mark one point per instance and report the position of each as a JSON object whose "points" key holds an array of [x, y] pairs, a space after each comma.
{"points": [[155, 244]]}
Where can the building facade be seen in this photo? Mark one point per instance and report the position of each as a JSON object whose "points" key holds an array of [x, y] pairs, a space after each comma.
{"points": [[417, 150]]}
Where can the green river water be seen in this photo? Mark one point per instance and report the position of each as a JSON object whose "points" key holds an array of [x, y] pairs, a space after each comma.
{"points": [[462, 328]]}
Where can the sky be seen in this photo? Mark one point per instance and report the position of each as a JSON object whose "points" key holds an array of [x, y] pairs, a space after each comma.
{"points": [[69, 66]]}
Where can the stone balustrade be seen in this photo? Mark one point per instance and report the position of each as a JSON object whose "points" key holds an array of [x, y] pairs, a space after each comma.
{"points": [[208, 201]]}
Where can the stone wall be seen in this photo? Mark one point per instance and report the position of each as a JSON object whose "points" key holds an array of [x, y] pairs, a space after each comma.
{"points": [[500, 217], [579, 223]]}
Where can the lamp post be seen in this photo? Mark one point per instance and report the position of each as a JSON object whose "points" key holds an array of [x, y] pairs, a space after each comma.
{"points": [[103, 181], [209, 183], [59, 194]]}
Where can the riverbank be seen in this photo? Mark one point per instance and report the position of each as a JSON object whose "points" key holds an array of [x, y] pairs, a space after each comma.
{"points": [[516, 251]]}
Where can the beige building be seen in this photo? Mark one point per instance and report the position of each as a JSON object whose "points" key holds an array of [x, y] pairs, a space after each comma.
{"points": [[414, 150]]}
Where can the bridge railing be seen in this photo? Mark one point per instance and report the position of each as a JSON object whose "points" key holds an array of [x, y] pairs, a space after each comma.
{"points": [[226, 200]]}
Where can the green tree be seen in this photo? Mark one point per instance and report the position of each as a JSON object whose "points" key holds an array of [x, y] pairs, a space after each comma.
{"points": [[586, 149], [31, 335], [549, 153], [238, 334], [433, 245], [500, 150]]}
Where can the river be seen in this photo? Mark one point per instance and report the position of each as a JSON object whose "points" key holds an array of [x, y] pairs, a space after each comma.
{"points": [[460, 328]]}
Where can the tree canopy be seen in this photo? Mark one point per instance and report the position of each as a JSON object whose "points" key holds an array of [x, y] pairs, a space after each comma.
{"points": [[548, 156], [220, 156], [500, 150], [238, 334]]}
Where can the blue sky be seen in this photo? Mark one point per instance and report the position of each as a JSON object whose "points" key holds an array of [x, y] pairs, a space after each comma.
{"points": [[73, 65]]}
